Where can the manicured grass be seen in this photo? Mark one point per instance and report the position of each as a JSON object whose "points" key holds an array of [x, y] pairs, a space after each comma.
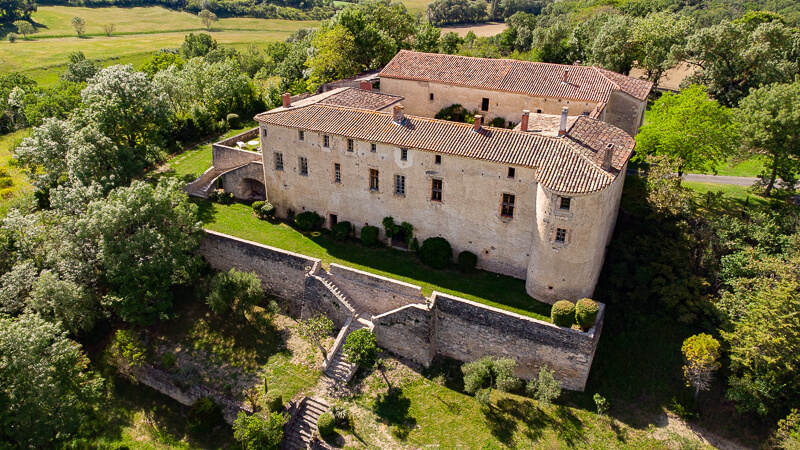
{"points": [[21, 184], [750, 167], [495, 290], [739, 195]]}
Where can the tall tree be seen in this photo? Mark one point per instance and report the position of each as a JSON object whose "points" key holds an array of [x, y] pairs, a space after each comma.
{"points": [[207, 17], [333, 58], [613, 48], [13, 10], [655, 37], [701, 356], [689, 126], [314, 330], [24, 28], [770, 123]]}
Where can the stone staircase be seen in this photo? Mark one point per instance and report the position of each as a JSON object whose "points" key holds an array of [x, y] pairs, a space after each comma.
{"points": [[303, 425], [336, 290], [205, 183], [335, 365]]}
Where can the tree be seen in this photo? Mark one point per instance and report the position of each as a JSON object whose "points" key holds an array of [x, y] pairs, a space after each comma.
{"points": [[258, 433], [126, 352], [427, 39], [314, 330], [450, 42], [64, 301], [361, 348], [484, 374], [770, 123], [700, 354], [161, 61], [613, 47], [664, 191], [207, 17], [689, 126], [545, 388], [13, 10], [333, 57], [108, 28], [655, 37], [79, 25], [145, 238], [79, 69], [47, 391], [24, 28], [235, 291], [199, 44]]}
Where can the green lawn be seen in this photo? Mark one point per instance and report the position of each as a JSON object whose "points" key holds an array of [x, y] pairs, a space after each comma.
{"points": [[21, 184], [750, 167]]}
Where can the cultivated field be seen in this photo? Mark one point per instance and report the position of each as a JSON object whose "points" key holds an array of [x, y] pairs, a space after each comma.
{"points": [[480, 29]]}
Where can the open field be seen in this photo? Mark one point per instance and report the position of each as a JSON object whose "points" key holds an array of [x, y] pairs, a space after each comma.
{"points": [[21, 184], [480, 29]]}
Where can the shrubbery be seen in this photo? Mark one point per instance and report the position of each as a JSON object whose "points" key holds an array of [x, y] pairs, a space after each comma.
{"points": [[467, 261], [235, 291], [273, 401], [168, 360], [204, 415], [325, 424], [341, 230], [369, 235], [221, 196], [308, 221], [233, 120], [563, 313], [436, 252], [264, 210], [586, 312]]}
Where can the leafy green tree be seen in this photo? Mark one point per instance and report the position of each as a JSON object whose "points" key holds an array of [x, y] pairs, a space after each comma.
{"points": [[314, 330], [664, 191], [552, 44], [255, 432], [235, 291], [161, 61], [545, 388], [43, 152], [361, 348], [24, 28], [108, 28], [64, 301], [145, 237], [654, 38], [450, 42], [46, 390], [79, 25], [13, 10], [770, 123], [79, 69], [427, 39], [56, 102], [689, 126], [207, 17], [701, 355], [333, 57], [487, 373], [601, 404], [613, 48], [126, 352], [199, 44]]}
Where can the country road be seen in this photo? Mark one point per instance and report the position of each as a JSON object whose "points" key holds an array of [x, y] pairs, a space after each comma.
{"points": [[719, 179]]}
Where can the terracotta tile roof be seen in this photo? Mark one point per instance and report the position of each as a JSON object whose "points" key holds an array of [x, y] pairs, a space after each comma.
{"points": [[565, 165], [546, 124], [359, 98], [526, 77]]}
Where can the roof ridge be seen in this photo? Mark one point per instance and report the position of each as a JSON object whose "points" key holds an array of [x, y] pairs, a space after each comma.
{"points": [[600, 70]]}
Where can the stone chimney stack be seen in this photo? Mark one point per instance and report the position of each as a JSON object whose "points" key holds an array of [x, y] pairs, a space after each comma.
{"points": [[566, 76], [366, 85], [608, 157], [287, 100], [524, 124], [477, 126], [562, 130], [398, 114]]}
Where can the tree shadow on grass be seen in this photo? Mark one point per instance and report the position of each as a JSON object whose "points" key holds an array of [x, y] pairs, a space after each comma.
{"points": [[503, 419], [568, 427], [393, 406], [205, 211]]}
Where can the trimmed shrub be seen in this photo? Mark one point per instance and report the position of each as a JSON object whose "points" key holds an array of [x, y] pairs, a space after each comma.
{"points": [[325, 424], [168, 360], [263, 210], [219, 195], [563, 313], [414, 246], [341, 230], [308, 221], [436, 252], [369, 235], [467, 261], [273, 401], [586, 312], [233, 120], [204, 415]]}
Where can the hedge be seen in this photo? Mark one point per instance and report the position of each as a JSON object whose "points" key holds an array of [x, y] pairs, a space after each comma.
{"points": [[308, 221], [369, 235], [586, 312], [436, 252], [341, 230], [563, 313]]}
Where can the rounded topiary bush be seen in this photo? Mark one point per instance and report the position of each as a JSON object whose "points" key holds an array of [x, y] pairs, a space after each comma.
{"points": [[586, 312], [204, 415], [233, 120], [563, 313], [369, 235], [308, 220], [273, 401], [341, 230], [264, 210], [436, 252], [467, 261], [325, 424]]}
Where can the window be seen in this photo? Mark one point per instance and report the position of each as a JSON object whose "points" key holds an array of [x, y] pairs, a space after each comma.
{"points": [[565, 203], [400, 185], [373, 179], [301, 135], [337, 173], [512, 172], [561, 235], [349, 145], [279, 161], [507, 210], [431, 94], [436, 190], [438, 159], [538, 111], [303, 165], [485, 104], [326, 141], [373, 148], [404, 154], [263, 132]]}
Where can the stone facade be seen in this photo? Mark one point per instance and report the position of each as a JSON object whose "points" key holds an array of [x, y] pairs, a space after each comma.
{"points": [[374, 294]]}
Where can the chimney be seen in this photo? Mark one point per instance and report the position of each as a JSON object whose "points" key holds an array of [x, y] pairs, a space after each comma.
{"points": [[366, 85], [566, 75], [607, 158], [287, 100], [398, 114], [577, 62], [523, 126], [478, 120], [562, 130]]}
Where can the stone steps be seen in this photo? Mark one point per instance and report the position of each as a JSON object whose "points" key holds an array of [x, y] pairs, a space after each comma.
{"points": [[338, 368], [337, 291], [304, 425]]}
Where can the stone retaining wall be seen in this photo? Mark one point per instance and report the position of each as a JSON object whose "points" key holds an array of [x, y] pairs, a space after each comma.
{"points": [[407, 331], [226, 155], [374, 294]]}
